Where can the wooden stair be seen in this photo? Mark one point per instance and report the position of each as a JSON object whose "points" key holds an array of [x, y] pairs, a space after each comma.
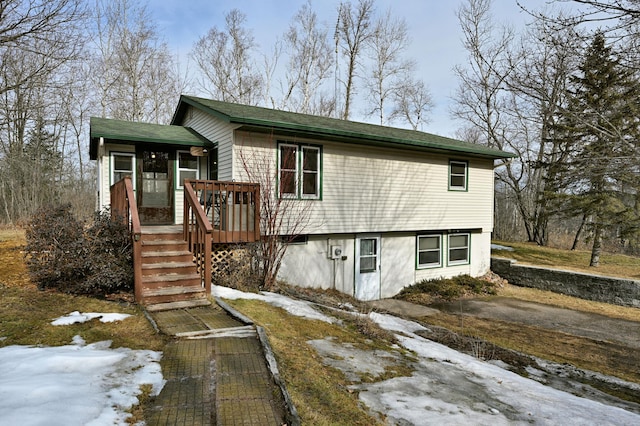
{"points": [[169, 276]]}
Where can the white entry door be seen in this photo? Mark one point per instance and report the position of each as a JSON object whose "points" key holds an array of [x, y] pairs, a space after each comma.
{"points": [[367, 285]]}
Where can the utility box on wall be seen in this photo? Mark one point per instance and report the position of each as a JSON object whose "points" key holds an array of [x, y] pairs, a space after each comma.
{"points": [[336, 252]]}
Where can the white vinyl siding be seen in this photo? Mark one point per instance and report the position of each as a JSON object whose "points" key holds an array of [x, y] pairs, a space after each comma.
{"points": [[106, 171], [397, 262], [215, 131], [372, 190]]}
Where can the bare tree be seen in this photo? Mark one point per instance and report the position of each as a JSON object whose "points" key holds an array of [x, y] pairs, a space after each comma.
{"points": [[136, 75], [47, 29], [309, 65], [483, 99], [353, 30], [412, 103], [389, 69], [617, 16], [38, 39], [224, 59], [282, 218]]}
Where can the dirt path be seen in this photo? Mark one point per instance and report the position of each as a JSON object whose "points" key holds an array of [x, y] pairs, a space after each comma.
{"points": [[583, 324]]}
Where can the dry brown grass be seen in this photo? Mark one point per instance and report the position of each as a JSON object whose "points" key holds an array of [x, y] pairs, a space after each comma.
{"points": [[563, 301], [320, 393], [605, 357], [615, 265], [26, 312]]}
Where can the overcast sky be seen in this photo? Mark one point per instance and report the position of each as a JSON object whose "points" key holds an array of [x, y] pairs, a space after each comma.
{"points": [[433, 27]]}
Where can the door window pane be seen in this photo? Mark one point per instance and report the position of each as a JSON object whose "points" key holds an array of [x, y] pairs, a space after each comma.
{"points": [[155, 179], [368, 255]]}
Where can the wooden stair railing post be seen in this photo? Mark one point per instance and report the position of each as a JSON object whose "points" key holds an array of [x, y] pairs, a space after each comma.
{"points": [[198, 233], [256, 212], [124, 207]]}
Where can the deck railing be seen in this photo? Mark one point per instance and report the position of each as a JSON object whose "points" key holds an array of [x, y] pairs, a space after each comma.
{"points": [[124, 207], [197, 233], [232, 208]]}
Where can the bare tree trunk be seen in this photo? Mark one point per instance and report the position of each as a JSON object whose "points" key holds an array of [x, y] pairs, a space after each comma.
{"points": [[576, 239], [354, 29], [597, 247]]}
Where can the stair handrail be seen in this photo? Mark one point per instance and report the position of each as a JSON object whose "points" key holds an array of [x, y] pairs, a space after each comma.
{"points": [[124, 208], [197, 232]]}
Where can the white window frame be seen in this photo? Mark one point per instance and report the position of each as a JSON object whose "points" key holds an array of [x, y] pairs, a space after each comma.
{"points": [[418, 251], [465, 261], [112, 166], [465, 175], [179, 184], [303, 172], [299, 171]]}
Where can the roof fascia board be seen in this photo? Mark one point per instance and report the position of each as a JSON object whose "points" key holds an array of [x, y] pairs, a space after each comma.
{"points": [[359, 139]]}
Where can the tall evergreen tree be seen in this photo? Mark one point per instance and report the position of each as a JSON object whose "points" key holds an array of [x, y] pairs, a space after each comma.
{"points": [[598, 134]]}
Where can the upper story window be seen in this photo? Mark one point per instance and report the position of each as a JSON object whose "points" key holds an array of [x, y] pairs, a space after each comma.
{"points": [[458, 175], [299, 170], [429, 251], [122, 164], [459, 249], [188, 167]]}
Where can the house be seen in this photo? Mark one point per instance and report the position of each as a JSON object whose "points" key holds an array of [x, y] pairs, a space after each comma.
{"points": [[383, 207]]}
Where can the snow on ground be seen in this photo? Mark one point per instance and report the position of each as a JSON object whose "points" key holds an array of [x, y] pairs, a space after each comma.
{"points": [[295, 307], [500, 247], [76, 384], [449, 387], [77, 317]]}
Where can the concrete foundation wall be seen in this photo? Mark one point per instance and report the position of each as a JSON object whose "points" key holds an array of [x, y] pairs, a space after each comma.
{"points": [[617, 291]]}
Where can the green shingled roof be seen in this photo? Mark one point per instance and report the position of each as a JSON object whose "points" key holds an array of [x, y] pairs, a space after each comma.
{"points": [[325, 128], [128, 131]]}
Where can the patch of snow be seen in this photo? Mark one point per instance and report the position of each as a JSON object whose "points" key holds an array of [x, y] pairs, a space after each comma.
{"points": [[300, 308], [354, 362], [501, 247], [76, 317], [449, 387], [75, 384]]}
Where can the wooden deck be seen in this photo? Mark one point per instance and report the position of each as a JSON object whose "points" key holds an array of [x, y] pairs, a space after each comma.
{"points": [[172, 264]]}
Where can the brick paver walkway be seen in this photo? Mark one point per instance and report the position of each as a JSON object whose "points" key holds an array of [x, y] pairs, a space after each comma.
{"points": [[220, 379]]}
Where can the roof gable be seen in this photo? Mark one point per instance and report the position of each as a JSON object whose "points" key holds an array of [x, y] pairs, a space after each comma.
{"points": [[326, 128]]}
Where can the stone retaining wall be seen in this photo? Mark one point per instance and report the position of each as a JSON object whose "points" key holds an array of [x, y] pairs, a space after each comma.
{"points": [[617, 291]]}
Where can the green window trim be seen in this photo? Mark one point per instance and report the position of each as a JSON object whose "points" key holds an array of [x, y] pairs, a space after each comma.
{"points": [[458, 175], [426, 250], [458, 249], [299, 171]]}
